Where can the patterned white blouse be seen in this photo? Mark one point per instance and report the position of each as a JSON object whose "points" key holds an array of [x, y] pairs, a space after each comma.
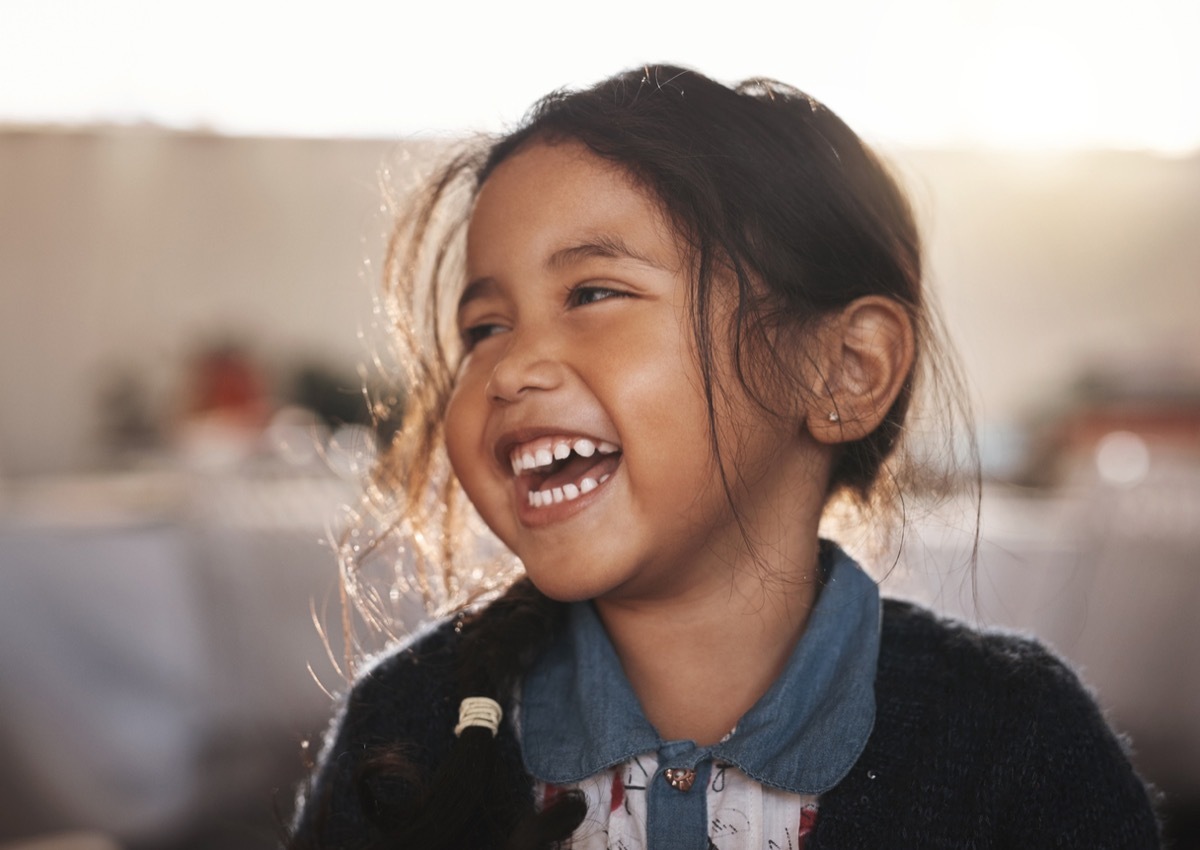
{"points": [[742, 814]]}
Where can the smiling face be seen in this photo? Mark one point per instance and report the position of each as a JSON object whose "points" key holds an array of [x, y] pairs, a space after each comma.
{"points": [[577, 425]]}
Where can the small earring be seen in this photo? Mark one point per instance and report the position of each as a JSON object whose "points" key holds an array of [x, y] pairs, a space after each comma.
{"points": [[833, 416]]}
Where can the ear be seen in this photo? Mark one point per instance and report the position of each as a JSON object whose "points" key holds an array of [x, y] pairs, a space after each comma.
{"points": [[864, 356]]}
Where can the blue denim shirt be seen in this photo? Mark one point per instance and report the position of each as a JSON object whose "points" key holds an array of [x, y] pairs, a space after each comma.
{"points": [[579, 714]]}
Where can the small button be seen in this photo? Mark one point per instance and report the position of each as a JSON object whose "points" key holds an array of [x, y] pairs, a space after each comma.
{"points": [[680, 778]]}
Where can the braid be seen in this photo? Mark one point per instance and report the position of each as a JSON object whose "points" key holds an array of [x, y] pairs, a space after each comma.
{"points": [[471, 786], [497, 648]]}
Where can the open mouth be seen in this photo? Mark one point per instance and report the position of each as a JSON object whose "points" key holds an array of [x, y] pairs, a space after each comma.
{"points": [[561, 469]]}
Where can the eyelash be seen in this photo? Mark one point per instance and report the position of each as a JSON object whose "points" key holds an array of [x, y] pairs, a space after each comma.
{"points": [[577, 297], [476, 334]]}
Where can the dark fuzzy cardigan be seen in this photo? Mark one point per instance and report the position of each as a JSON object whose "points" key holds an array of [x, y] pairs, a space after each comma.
{"points": [[981, 740]]}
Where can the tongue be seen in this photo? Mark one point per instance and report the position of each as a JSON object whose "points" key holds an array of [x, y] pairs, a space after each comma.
{"points": [[576, 468]]}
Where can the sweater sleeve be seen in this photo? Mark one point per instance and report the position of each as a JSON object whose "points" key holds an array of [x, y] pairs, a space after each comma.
{"points": [[1068, 781], [984, 740], [400, 708]]}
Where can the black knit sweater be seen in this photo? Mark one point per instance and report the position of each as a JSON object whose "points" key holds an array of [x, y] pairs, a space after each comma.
{"points": [[981, 740]]}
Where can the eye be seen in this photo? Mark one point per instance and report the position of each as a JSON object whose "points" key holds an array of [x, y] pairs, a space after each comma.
{"points": [[590, 293], [476, 334]]}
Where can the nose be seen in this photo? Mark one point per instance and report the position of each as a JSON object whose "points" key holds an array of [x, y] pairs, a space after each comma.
{"points": [[525, 367]]}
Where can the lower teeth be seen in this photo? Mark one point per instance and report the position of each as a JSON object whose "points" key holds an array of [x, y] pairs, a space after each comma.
{"points": [[565, 493]]}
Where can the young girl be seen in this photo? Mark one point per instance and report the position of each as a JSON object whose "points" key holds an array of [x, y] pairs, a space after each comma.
{"points": [[689, 325]]}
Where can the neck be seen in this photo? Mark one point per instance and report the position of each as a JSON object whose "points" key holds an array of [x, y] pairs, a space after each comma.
{"points": [[699, 661]]}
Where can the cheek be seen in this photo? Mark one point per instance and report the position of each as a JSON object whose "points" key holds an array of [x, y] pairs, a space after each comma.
{"points": [[463, 434], [667, 432]]}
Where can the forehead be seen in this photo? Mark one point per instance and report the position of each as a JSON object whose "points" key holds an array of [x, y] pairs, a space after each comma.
{"points": [[547, 197]]}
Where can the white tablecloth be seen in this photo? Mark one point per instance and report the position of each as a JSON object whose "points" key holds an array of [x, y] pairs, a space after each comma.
{"points": [[156, 671]]}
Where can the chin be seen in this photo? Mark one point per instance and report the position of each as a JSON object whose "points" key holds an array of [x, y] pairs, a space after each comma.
{"points": [[566, 585]]}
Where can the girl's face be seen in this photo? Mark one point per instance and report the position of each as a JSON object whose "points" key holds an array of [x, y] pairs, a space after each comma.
{"points": [[578, 426]]}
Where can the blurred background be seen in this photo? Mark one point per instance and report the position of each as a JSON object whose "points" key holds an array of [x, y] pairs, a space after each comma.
{"points": [[190, 231]]}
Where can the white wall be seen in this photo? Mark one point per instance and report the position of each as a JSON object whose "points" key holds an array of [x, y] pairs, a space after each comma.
{"points": [[1048, 264], [127, 248], [131, 248]]}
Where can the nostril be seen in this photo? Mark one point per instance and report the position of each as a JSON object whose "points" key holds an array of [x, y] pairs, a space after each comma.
{"points": [[502, 387], [524, 366]]}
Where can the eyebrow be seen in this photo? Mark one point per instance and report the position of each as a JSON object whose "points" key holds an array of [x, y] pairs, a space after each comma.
{"points": [[603, 245], [477, 288]]}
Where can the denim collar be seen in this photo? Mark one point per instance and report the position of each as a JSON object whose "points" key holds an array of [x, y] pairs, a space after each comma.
{"points": [[579, 714]]}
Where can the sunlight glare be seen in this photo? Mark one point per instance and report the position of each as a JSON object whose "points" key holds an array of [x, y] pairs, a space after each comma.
{"points": [[1029, 92], [996, 73], [1067, 75]]}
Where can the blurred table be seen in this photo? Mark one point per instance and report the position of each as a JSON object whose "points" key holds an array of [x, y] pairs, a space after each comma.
{"points": [[156, 640]]}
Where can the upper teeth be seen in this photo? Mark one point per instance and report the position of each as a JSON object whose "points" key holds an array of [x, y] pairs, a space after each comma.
{"points": [[539, 454]]}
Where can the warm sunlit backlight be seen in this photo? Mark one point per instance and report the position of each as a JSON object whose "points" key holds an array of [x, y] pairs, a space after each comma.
{"points": [[1028, 91], [1068, 77], [1026, 74]]}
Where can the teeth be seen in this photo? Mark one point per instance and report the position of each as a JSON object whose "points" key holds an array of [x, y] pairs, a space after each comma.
{"points": [[533, 459], [565, 493]]}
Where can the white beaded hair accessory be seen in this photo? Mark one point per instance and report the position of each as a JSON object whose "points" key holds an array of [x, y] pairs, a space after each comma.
{"points": [[479, 711]]}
